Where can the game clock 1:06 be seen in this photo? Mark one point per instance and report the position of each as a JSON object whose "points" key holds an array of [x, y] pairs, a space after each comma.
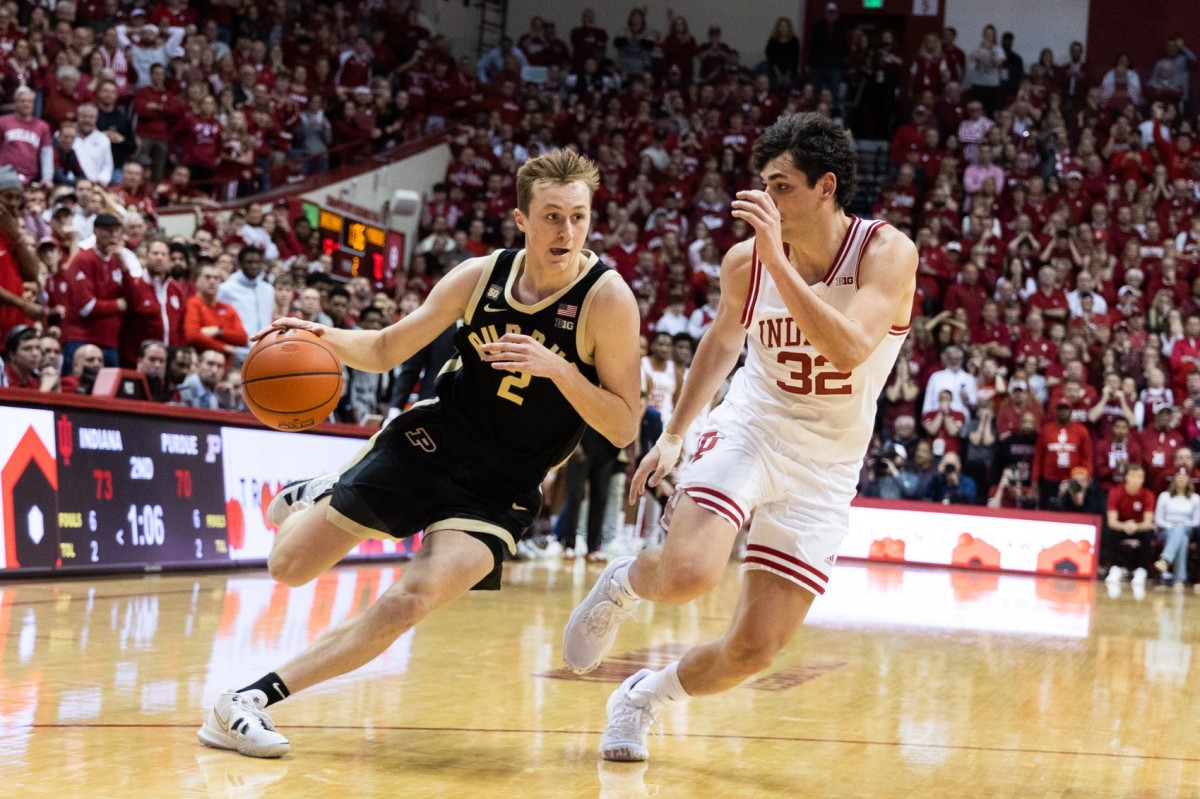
{"points": [[144, 491]]}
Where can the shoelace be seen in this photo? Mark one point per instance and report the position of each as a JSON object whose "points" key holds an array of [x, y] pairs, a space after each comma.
{"points": [[599, 620], [247, 705], [634, 721]]}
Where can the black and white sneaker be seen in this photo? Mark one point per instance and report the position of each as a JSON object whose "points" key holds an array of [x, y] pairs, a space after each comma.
{"points": [[299, 495], [237, 722]]}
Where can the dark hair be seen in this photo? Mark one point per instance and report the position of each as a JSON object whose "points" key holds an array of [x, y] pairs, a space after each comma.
{"points": [[370, 309], [248, 250], [817, 146], [18, 336], [338, 291], [681, 336]]}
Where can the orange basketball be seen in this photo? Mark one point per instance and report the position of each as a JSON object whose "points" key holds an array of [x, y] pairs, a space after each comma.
{"points": [[292, 380]]}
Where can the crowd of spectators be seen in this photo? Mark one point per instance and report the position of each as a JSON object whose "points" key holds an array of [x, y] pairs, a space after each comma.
{"points": [[1056, 208]]}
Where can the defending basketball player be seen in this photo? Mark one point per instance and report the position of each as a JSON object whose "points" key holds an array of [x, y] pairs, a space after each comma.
{"points": [[549, 343], [825, 298]]}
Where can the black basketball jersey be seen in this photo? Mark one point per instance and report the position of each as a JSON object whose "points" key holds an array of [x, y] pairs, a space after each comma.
{"points": [[522, 424]]}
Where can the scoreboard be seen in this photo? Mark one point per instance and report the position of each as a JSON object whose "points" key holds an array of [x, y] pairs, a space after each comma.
{"points": [[85, 488], [129, 483], [359, 248]]}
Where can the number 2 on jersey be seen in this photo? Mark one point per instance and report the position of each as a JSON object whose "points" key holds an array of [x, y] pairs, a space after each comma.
{"points": [[511, 383], [803, 381]]}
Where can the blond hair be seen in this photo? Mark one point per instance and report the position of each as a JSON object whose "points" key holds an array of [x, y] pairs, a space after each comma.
{"points": [[557, 166]]}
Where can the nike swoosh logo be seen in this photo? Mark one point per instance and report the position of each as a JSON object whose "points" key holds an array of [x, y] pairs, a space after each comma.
{"points": [[518, 507], [278, 690], [490, 309]]}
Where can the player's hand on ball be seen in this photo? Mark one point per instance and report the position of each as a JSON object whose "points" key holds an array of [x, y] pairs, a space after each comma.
{"points": [[290, 323], [657, 464]]}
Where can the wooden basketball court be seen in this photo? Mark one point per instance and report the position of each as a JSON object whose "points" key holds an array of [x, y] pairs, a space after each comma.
{"points": [[905, 683]]}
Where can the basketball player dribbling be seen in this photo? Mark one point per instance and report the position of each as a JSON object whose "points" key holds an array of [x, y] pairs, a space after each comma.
{"points": [[548, 344], [825, 298]]}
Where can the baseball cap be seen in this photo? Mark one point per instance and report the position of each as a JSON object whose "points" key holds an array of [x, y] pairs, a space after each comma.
{"points": [[107, 220], [45, 241], [1163, 406], [954, 246], [1074, 174], [1018, 385], [1063, 402]]}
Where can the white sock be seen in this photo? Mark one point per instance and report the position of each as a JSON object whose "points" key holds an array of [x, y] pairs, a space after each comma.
{"points": [[662, 686], [620, 576]]}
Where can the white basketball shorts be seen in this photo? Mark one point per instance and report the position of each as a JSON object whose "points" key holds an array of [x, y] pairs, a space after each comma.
{"points": [[799, 507]]}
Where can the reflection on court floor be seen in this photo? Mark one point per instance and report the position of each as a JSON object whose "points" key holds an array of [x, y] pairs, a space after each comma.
{"points": [[943, 682]]}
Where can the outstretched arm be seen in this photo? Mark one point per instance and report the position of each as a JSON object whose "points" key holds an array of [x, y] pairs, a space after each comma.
{"points": [[381, 350]]}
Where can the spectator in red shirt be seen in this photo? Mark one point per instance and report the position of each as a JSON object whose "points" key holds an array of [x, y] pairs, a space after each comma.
{"points": [[1049, 298], [1062, 445], [22, 357], [18, 263], [155, 304], [944, 425], [1185, 354], [1114, 454], [967, 294], [25, 141], [199, 137], [210, 324], [1127, 542], [1158, 447], [157, 110], [94, 302]]}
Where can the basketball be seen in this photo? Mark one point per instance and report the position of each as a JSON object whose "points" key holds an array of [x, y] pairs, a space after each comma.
{"points": [[292, 380]]}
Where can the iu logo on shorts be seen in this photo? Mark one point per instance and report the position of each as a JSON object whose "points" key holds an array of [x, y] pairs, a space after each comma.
{"points": [[419, 438], [706, 442]]}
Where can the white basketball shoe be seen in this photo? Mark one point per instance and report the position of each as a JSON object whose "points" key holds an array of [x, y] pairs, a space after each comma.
{"points": [[299, 495], [629, 721], [236, 722], [592, 628]]}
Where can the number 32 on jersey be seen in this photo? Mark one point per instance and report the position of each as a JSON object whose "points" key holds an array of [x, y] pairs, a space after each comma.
{"points": [[808, 376]]}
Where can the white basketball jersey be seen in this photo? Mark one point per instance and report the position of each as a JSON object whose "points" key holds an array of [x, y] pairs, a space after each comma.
{"points": [[803, 402], [662, 386]]}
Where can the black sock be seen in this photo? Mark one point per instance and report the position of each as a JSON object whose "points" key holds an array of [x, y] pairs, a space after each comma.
{"points": [[270, 686]]}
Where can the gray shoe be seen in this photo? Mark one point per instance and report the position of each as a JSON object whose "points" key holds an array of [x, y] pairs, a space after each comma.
{"points": [[592, 628], [299, 495]]}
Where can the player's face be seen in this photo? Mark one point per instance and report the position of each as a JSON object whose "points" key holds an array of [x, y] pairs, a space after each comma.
{"points": [[797, 201], [557, 225]]}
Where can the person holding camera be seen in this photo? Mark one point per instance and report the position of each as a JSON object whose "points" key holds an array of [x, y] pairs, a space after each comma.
{"points": [[885, 465], [1176, 515], [1012, 491], [1072, 493], [950, 486]]}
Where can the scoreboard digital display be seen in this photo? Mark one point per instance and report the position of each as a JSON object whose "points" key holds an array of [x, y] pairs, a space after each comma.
{"points": [[90, 489], [137, 483], [359, 248]]}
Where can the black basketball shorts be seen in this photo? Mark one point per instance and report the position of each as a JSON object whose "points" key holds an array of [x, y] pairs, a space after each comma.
{"points": [[422, 473]]}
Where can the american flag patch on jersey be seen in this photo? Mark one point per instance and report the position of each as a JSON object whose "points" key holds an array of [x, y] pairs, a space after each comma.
{"points": [[568, 311]]}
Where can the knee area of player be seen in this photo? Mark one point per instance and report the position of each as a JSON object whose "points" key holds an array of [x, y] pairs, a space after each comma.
{"points": [[687, 580]]}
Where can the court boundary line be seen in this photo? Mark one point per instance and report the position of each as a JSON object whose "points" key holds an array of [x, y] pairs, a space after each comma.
{"points": [[682, 736]]}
